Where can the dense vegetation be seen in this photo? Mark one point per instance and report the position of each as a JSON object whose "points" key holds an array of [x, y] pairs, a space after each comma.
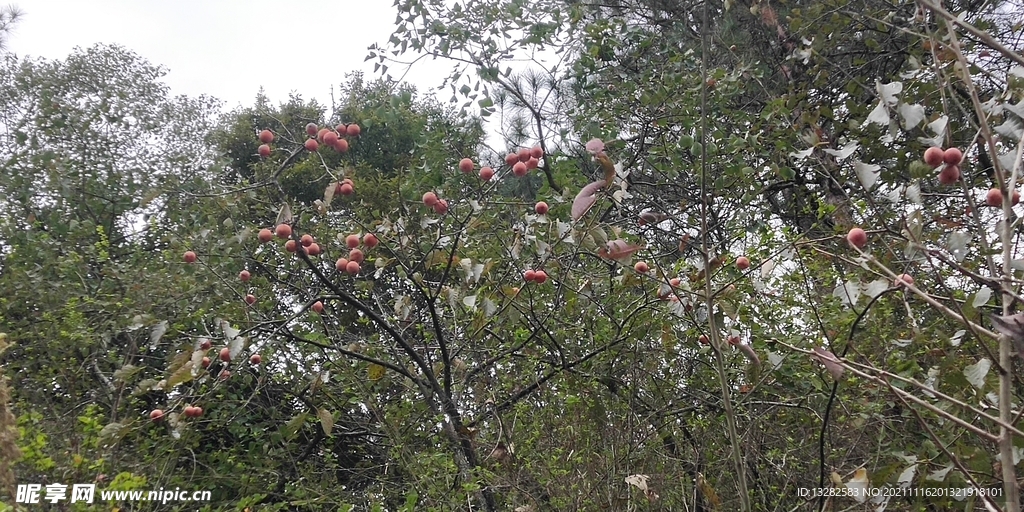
{"points": [[710, 265]]}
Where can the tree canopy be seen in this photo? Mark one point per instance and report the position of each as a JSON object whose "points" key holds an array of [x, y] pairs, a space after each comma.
{"points": [[721, 256]]}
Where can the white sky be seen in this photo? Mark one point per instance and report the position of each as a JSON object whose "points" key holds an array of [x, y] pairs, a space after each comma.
{"points": [[226, 49]]}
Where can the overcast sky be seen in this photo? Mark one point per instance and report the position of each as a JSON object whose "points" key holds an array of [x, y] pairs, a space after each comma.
{"points": [[225, 48]]}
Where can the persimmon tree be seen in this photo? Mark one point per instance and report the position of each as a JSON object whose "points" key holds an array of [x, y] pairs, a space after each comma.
{"points": [[743, 130], [706, 267]]}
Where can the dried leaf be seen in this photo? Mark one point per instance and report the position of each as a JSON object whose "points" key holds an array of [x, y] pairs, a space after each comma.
{"points": [[912, 115], [326, 420], [158, 332], [374, 372], [585, 199], [859, 484], [830, 361], [845, 151], [708, 492], [976, 372], [880, 115], [889, 91], [867, 173], [982, 297], [638, 481], [284, 216], [618, 250], [607, 166]]}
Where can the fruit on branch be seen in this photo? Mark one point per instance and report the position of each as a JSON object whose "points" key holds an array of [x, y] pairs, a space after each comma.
{"points": [[486, 173], [532, 163], [540, 276], [353, 130], [189, 257], [263, 150], [320, 134], [340, 146], [291, 246], [266, 136], [541, 208], [675, 282], [156, 415], [313, 249], [352, 268], [306, 240], [994, 197], [530, 275], [519, 169], [352, 241], [370, 240], [318, 307], [355, 255], [703, 339], [429, 199], [903, 279], [311, 145], [341, 265], [949, 174], [205, 344], [523, 155], [934, 156], [225, 355], [742, 263], [346, 189], [537, 152], [244, 276], [283, 230], [206, 362], [266, 235], [466, 165], [250, 299], [952, 156], [193, 412], [255, 359], [311, 129], [641, 267], [857, 237], [441, 207], [330, 138], [511, 159], [225, 374]]}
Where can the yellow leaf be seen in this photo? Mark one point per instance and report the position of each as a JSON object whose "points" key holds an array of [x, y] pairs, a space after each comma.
{"points": [[608, 167], [375, 372], [326, 420], [708, 492]]}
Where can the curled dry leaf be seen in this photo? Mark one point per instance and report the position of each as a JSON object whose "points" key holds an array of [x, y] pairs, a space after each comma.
{"points": [[618, 250], [585, 199], [830, 361], [608, 167]]}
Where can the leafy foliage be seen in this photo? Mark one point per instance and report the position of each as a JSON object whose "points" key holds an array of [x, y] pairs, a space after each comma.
{"points": [[612, 353]]}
